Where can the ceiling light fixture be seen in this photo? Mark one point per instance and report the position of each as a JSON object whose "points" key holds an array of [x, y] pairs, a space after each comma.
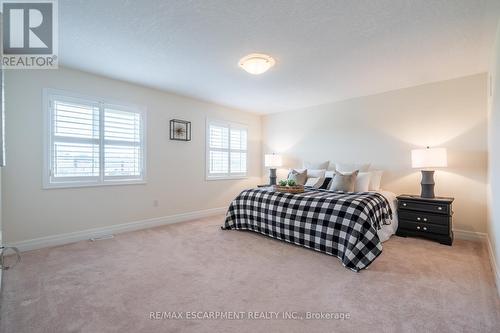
{"points": [[256, 63]]}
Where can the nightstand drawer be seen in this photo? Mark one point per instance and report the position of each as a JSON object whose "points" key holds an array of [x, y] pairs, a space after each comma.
{"points": [[423, 217], [426, 207], [424, 227]]}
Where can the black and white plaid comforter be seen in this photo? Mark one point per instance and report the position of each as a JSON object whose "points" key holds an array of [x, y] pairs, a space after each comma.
{"points": [[340, 224]]}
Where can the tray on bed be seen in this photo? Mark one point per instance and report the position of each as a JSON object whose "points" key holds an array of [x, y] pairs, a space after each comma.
{"points": [[289, 189]]}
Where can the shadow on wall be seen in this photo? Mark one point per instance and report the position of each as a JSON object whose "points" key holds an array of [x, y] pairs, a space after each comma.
{"points": [[463, 157], [464, 178], [388, 154]]}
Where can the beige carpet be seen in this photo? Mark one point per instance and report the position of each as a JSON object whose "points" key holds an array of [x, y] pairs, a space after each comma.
{"points": [[113, 285]]}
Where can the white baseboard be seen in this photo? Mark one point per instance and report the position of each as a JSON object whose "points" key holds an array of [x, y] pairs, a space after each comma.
{"points": [[470, 235], [493, 263], [71, 237], [483, 237]]}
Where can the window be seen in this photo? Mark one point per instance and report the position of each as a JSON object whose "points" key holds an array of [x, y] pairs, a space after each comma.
{"points": [[226, 150], [92, 142]]}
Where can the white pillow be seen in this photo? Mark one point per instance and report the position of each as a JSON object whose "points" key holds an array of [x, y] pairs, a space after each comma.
{"points": [[331, 167], [329, 174], [315, 178], [316, 166], [351, 167], [375, 180], [314, 173], [363, 182], [315, 182], [311, 172]]}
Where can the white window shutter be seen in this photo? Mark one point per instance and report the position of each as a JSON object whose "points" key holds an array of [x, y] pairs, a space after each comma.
{"points": [[93, 143], [226, 150], [122, 143], [219, 137], [75, 140]]}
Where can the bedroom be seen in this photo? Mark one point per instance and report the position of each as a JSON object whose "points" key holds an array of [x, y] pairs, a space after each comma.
{"points": [[152, 132]]}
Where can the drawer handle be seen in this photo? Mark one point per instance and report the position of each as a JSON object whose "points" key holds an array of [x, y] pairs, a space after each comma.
{"points": [[418, 218], [425, 220], [440, 208], [418, 228], [425, 228], [404, 204]]}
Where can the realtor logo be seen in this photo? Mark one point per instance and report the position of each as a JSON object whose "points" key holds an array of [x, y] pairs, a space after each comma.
{"points": [[29, 34]]}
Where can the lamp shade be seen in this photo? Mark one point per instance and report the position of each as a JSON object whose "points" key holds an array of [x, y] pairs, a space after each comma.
{"points": [[272, 160], [429, 158]]}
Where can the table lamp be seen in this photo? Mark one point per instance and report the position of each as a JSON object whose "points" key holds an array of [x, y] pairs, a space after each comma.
{"points": [[272, 161], [425, 159]]}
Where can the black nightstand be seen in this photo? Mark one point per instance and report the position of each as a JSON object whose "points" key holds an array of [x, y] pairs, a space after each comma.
{"points": [[424, 217]]}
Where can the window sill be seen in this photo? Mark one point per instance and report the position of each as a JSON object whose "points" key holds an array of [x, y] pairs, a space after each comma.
{"points": [[208, 178], [54, 186]]}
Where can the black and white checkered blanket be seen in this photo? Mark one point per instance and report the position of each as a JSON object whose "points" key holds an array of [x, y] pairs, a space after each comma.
{"points": [[340, 224]]}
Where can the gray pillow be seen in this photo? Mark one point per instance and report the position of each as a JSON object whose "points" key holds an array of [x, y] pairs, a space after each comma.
{"points": [[344, 181], [300, 178]]}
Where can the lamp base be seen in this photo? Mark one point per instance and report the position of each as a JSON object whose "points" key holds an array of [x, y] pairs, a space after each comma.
{"points": [[272, 176], [427, 184]]}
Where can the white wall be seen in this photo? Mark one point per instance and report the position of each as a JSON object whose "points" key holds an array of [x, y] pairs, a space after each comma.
{"points": [[382, 129], [494, 155], [176, 170]]}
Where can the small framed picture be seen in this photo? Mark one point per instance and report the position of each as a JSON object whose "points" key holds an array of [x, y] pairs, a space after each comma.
{"points": [[180, 130]]}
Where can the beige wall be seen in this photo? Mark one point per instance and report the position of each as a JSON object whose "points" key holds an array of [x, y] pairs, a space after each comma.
{"points": [[494, 156], [176, 170], [382, 129]]}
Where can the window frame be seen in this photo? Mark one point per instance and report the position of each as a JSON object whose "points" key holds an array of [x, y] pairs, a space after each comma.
{"points": [[228, 175], [48, 133]]}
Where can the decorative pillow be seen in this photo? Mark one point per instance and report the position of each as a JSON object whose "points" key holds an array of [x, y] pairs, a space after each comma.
{"points": [[331, 167], [344, 182], [376, 180], [351, 167], [315, 182], [316, 166], [326, 183], [328, 178], [316, 173], [315, 178], [329, 174], [363, 182], [300, 177]]}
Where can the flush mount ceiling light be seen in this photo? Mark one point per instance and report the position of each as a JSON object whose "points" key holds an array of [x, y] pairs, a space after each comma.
{"points": [[256, 63]]}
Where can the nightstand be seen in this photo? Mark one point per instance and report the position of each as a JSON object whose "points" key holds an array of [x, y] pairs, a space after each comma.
{"points": [[429, 218]]}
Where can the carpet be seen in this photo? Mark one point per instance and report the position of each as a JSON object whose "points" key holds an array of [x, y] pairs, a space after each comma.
{"points": [[194, 277]]}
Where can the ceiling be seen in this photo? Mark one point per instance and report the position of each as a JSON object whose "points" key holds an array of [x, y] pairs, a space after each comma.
{"points": [[326, 50]]}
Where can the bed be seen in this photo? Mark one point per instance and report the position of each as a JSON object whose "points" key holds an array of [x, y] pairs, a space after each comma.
{"points": [[350, 226]]}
